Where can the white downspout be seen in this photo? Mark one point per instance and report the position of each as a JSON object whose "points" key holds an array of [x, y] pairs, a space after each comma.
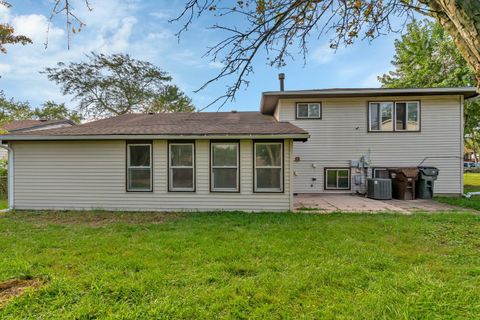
{"points": [[10, 178]]}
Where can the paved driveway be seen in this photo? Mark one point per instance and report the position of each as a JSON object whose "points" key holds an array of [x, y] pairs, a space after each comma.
{"points": [[353, 203]]}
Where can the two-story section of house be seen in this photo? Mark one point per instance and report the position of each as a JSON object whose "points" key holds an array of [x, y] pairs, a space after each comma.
{"points": [[356, 134]]}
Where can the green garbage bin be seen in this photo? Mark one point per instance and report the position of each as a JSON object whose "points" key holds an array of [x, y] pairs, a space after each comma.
{"points": [[426, 182]]}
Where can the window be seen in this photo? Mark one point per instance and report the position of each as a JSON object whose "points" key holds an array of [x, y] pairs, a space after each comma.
{"points": [[181, 167], [268, 166], [407, 116], [382, 114], [139, 167], [309, 111], [381, 173], [224, 166], [337, 179]]}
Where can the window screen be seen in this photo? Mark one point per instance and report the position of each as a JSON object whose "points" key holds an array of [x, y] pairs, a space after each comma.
{"points": [[268, 167], [224, 166], [181, 167], [139, 167]]}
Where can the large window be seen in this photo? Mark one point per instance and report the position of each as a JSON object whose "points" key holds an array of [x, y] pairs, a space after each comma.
{"points": [[224, 166], [268, 166], [337, 179], [181, 167], [139, 167], [394, 116], [309, 111]]}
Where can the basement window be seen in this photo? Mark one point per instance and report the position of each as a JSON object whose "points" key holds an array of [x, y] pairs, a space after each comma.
{"points": [[309, 111], [139, 167], [337, 179]]}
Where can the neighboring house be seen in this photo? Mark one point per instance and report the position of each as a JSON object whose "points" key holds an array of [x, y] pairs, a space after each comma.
{"points": [[32, 125], [301, 142]]}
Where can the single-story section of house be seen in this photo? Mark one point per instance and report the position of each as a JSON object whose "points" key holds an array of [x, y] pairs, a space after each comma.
{"points": [[166, 161], [16, 126]]}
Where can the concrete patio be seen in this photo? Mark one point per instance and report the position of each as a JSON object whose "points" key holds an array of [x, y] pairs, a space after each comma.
{"points": [[352, 203]]}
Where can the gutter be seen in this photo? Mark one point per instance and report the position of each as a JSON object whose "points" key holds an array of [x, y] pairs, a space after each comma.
{"points": [[25, 137], [10, 178]]}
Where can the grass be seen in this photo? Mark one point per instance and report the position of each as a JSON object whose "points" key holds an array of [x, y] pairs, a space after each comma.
{"points": [[471, 184], [3, 204], [239, 265]]}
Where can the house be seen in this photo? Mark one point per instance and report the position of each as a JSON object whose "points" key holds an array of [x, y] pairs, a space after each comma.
{"points": [[356, 134], [311, 141], [32, 125]]}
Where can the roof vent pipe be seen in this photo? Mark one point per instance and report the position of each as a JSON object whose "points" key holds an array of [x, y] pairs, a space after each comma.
{"points": [[281, 77]]}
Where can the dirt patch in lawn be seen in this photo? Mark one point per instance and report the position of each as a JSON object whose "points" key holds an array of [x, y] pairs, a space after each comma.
{"points": [[93, 218], [13, 288]]}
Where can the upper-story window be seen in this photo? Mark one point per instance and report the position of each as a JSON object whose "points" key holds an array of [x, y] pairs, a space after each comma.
{"points": [[394, 116], [309, 110]]}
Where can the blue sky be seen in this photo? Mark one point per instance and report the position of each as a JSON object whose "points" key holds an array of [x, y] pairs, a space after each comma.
{"points": [[141, 29]]}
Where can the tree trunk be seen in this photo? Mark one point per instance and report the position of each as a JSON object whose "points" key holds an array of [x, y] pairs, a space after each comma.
{"points": [[461, 19]]}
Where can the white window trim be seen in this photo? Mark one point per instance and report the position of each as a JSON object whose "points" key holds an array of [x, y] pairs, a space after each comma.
{"points": [[308, 110], [212, 166], [337, 169], [394, 115], [171, 188], [139, 167], [255, 167]]}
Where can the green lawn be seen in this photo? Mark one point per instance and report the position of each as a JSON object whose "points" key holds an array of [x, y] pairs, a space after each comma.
{"points": [[3, 204], [471, 184], [239, 265]]}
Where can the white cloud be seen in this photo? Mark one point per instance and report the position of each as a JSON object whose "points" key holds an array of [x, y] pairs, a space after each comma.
{"points": [[35, 27], [161, 15], [323, 54], [120, 40], [4, 14], [5, 68], [371, 81], [215, 64], [112, 27]]}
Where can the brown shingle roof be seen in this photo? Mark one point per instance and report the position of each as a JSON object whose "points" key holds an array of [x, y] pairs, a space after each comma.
{"points": [[31, 124], [199, 123]]}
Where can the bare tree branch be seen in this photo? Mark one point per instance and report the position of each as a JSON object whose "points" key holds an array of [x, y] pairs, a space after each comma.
{"points": [[73, 24], [283, 28]]}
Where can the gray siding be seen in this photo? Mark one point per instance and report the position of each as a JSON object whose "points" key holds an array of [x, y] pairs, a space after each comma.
{"points": [[341, 135], [91, 175]]}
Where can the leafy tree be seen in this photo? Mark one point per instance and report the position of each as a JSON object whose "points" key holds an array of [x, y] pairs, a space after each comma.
{"points": [[7, 33], [171, 100], [108, 85], [53, 111], [425, 56], [13, 110]]}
